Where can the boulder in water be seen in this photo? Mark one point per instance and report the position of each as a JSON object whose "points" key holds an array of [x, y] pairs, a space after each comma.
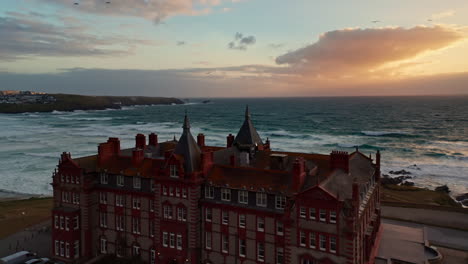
{"points": [[408, 183]]}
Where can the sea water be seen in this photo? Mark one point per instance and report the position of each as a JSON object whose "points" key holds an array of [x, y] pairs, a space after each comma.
{"points": [[427, 136]]}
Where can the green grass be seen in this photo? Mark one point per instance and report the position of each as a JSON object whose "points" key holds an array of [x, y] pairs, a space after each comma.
{"points": [[415, 195]]}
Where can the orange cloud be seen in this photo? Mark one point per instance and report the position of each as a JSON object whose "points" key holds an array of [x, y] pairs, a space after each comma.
{"points": [[361, 52]]}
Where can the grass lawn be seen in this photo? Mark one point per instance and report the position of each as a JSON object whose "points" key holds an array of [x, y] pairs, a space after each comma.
{"points": [[16, 215]]}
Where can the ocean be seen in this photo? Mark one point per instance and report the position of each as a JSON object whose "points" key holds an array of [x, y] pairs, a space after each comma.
{"points": [[427, 136]]}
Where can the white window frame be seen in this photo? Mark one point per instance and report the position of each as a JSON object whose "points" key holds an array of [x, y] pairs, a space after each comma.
{"points": [[103, 248], [242, 247], [302, 239], [280, 202], [136, 203], [173, 171], [179, 242], [67, 250], [76, 249], [119, 222], [323, 212], [164, 190], [260, 251], [165, 239], [209, 192], [260, 224], [225, 217], [208, 240], [152, 256], [136, 225], [184, 192], [312, 240], [104, 178], [57, 248], [323, 239], [302, 212], [172, 240], [119, 200], [225, 194], [208, 214], [136, 250], [76, 224], [56, 221], [243, 197], [103, 219], [279, 228], [67, 223], [120, 180], [102, 197], [261, 199], [224, 243], [312, 213], [242, 220], [332, 241], [333, 217], [279, 254], [177, 192], [136, 182]]}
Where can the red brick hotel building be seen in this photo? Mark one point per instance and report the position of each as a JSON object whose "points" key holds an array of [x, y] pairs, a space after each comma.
{"points": [[183, 201]]}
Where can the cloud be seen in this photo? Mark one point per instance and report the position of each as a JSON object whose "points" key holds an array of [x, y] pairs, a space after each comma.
{"points": [[155, 10], [181, 43], [25, 36], [444, 14], [358, 52], [276, 45], [241, 42]]}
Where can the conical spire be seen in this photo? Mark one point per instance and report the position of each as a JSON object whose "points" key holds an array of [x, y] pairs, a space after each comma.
{"points": [[247, 135], [188, 148]]}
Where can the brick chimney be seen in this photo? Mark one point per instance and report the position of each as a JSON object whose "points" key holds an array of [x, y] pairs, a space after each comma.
{"points": [[230, 140], [107, 150], [201, 140], [153, 139], [377, 165], [339, 160], [298, 173], [140, 141], [137, 157]]}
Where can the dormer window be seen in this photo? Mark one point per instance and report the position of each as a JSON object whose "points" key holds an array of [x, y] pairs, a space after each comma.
{"points": [[174, 173], [120, 180], [209, 192], [226, 195], [280, 202], [136, 182], [104, 178], [261, 199]]}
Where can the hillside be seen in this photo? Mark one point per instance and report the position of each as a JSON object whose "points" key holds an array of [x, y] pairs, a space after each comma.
{"points": [[69, 102]]}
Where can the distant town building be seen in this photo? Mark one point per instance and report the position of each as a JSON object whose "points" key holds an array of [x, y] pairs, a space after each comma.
{"points": [[183, 201], [25, 97]]}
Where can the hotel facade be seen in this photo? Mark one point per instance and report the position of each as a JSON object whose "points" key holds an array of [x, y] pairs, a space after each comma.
{"points": [[183, 201]]}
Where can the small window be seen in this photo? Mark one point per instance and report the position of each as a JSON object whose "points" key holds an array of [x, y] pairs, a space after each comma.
{"points": [[57, 246], [165, 239], [152, 256], [136, 225], [279, 256], [225, 216], [104, 178], [120, 180], [136, 203], [171, 240], [173, 171], [323, 242], [226, 195], [242, 220], [260, 224], [151, 228], [323, 215], [261, 251], [312, 240], [302, 238], [179, 242], [184, 192], [103, 218], [76, 222], [333, 244], [103, 198], [164, 190], [119, 200], [67, 225], [151, 205], [208, 240], [333, 217], [242, 248], [262, 199], [67, 249], [312, 214], [279, 228], [56, 221], [280, 202], [225, 243], [177, 192], [76, 251], [136, 250], [208, 214], [209, 192], [243, 197], [302, 212], [103, 246], [136, 182]]}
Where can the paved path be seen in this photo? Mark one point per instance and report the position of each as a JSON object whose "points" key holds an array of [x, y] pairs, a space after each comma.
{"points": [[34, 239], [426, 216], [445, 237]]}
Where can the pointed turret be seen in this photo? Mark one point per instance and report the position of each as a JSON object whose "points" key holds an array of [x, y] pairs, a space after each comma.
{"points": [[247, 136], [188, 148]]}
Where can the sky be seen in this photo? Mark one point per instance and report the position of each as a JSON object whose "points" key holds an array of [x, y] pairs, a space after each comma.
{"points": [[235, 48]]}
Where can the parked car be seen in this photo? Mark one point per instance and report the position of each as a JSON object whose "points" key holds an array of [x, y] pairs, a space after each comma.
{"points": [[37, 261], [17, 258]]}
